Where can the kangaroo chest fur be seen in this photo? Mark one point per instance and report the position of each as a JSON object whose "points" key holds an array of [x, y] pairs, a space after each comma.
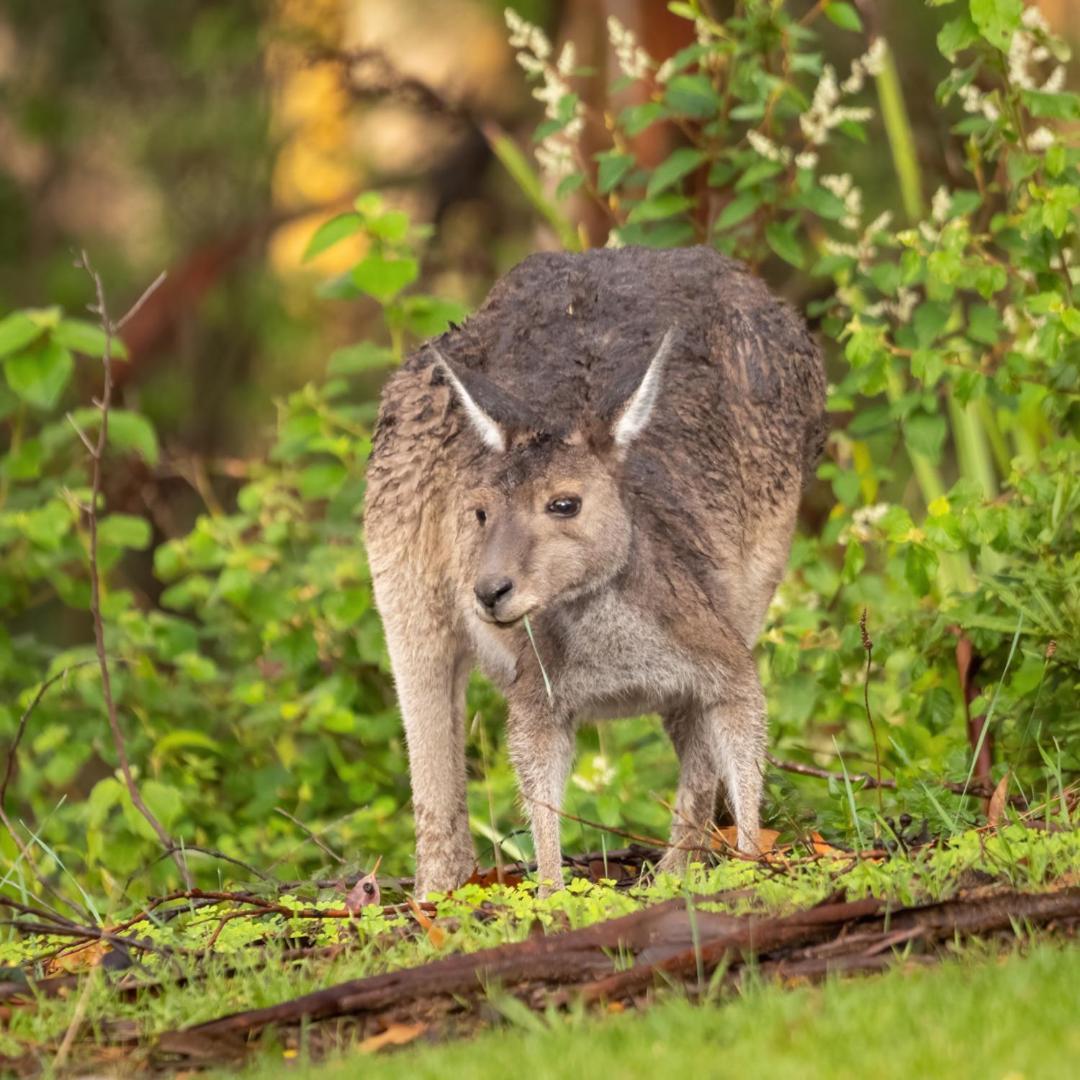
{"points": [[605, 657]]}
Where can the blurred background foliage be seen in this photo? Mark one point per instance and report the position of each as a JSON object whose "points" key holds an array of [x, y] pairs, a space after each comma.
{"points": [[330, 182]]}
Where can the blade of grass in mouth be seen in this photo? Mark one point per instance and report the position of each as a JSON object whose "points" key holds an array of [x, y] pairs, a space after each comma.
{"points": [[536, 653]]}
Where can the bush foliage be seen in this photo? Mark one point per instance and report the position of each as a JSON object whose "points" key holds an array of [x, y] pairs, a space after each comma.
{"points": [[257, 680]]}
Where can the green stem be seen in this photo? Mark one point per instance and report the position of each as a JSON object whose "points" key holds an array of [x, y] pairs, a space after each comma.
{"points": [[523, 174], [972, 446], [13, 449], [999, 447], [901, 140]]}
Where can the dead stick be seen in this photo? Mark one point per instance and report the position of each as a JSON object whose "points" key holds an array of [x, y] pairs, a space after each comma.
{"points": [[975, 790], [96, 458], [868, 645]]}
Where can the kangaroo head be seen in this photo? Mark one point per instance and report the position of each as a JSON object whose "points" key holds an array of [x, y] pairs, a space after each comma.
{"points": [[549, 515]]}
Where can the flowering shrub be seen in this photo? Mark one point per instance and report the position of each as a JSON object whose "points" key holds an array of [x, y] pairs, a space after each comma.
{"points": [[949, 492], [954, 341]]}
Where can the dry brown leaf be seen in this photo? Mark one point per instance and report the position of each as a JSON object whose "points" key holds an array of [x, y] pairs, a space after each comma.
{"points": [[394, 1035], [81, 959], [435, 934], [821, 847], [487, 878], [727, 837], [997, 802]]}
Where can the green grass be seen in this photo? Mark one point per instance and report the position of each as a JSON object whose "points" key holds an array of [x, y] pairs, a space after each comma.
{"points": [[968, 1018], [247, 969]]}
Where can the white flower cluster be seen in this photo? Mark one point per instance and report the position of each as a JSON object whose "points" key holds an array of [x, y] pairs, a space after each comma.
{"points": [[555, 154], [872, 63], [843, 187], [1026, 52], [766, 148], [975, 101], [862, 524], [705, 33], [1042, 138], [633, 60], [900, 309], [826, 112], [863, 252], [939, 205], [603, 773]]}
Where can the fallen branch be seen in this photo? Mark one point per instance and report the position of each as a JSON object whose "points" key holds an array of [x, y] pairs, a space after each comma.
{"points": [[980, 791], [669, 941]]}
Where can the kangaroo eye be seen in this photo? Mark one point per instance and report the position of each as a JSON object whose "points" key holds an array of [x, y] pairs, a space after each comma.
{"points": [[565, 506], [481, 516]]}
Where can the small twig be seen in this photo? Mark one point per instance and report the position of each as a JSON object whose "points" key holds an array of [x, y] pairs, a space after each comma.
{"points": [[975, 790], [137, 306], [313, 837], [868, 645], [96, 456], [76, 1021]]}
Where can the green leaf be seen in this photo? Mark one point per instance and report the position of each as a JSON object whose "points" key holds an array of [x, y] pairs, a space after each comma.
{"points": [[354, 359], [957, 34], [332, 231], [384, 278], [920, 565], [661, 207], [393, 226], [613, 166], [924, 433], [127, 431], [569, 184], [929, 320], [322, 480], [844, 15], [16, 332], [783, 243], [634, 119], [164, 801], [692, 95], [674, 168], [429, 316], [1063, 106], [87, 338], [185, 740], [125, 531], [738, 210], [39, 375], [997, 20], [23, 463], [760, 170], [131, 431], [984, 324]]}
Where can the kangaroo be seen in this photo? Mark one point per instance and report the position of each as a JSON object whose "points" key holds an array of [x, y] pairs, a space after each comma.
{"points": [[610, 454]]}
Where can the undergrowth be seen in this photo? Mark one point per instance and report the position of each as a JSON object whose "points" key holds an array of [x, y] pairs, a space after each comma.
{"points": [[260, 960]]}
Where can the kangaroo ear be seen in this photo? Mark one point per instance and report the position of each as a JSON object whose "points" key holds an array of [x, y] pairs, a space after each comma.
{"points": [[632, 419], [488, 429]]}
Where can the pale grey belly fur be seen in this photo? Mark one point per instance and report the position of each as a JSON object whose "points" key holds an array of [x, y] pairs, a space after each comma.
{"points": [[616, 661]]}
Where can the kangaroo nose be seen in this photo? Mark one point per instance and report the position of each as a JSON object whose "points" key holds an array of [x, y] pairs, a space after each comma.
{"points": [[491, 590]]}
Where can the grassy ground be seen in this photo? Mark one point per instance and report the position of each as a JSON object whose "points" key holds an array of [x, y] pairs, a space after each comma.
{"points": [[978, 1016], [972, 1015]]}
